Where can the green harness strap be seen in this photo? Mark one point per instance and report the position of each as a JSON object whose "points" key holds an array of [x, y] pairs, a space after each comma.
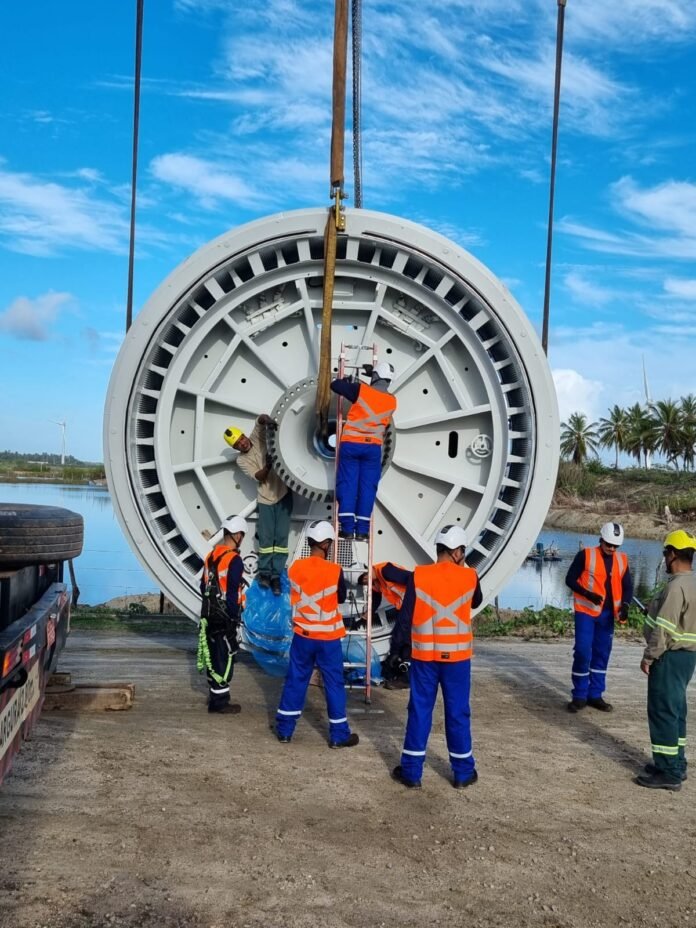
{"points": [[203, 661]]}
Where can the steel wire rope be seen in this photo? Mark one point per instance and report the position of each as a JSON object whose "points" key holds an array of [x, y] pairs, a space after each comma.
{"points": [[552, 187], [356, 11], [134, 176]]}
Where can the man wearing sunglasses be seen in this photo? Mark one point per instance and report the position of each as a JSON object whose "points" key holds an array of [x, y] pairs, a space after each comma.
{"points": [[602, 591], [669, 660]]}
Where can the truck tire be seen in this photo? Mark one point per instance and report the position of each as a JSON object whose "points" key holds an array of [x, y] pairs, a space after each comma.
{"points": [[38, 534]]}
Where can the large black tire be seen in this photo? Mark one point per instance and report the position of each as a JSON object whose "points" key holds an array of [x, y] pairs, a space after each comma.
{"points": [[38, 534]]}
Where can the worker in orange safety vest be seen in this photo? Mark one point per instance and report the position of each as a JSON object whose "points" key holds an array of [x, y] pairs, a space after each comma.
{"points": [[317, 587], [602, 587], [435, 619], [360, 448]]}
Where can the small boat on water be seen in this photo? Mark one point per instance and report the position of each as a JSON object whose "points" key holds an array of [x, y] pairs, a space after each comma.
{"points": [[541, 553]]}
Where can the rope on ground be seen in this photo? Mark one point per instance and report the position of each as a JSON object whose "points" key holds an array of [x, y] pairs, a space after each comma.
{"points": [[336, 218], [134, 177]]}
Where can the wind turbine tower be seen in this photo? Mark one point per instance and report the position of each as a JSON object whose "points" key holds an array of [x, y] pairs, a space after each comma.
{"points": [[648, 403], [63, 426]]}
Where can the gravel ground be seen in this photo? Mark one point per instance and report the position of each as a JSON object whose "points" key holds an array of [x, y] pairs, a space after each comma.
{"points": [[163, 816]]}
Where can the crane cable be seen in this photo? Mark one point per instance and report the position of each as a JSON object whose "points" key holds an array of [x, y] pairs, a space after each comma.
{"points": [[134, 176], [552, 190], [357, 102], [336, 220]]}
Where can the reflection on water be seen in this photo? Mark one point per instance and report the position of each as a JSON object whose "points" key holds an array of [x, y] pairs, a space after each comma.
{"points": [[107, 568]]}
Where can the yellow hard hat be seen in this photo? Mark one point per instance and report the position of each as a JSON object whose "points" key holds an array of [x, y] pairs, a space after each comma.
{"points": [[680, 540], [232, 435]]}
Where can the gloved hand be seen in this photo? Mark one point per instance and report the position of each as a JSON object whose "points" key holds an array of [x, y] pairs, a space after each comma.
{"points": [[267, 422], [623, 614], [595, 598], [367, 370], [393, 662]]}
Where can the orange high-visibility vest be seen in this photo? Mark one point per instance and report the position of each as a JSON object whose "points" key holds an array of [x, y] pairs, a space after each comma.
{"points": [[442, 615], [393, 592], [314, 599], [369, 416], [594, 579], [224, 556]]}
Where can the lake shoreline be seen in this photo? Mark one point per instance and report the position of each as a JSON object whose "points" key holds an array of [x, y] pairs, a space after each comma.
{"points": [[588, 519]]}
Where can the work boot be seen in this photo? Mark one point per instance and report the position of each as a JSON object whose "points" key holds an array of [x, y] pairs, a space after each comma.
{"points": [[600, 704], [658, 781], [275, 586], [284, 739], [231, 708], [651, 770], [264, 581], [397, 684], [361, 536], [576, 705], [350, 742], [398, 775], [462, 784], [348, 536]]}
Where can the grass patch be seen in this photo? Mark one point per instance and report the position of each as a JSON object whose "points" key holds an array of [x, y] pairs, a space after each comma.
{"points": [[98, 618]]}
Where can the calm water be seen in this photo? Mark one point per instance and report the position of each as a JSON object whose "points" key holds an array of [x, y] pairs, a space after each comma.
{"points": [[107, 568]]}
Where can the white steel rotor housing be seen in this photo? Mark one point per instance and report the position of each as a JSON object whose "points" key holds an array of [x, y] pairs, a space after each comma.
{"points": [[234, 332]]}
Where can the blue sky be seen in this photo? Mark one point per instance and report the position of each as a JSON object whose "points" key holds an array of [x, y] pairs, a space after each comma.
{"points": [[235, 124]]}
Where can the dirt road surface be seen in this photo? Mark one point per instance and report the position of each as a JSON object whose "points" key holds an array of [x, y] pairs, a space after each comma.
{"points": [[164, 816]]}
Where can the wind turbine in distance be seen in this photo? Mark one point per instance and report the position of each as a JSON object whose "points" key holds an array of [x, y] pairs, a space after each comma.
{"points": [[63, 426]]}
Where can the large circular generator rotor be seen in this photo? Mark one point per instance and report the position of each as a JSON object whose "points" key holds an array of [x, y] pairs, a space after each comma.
{"points": [[234, 332]]}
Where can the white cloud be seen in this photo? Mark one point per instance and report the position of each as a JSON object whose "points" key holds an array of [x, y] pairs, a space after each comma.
{"points": [[207, 181], [31, 320], [586, 291], [643, 21], [665, 214], [684, 289], [576, 393], [42, 217]]}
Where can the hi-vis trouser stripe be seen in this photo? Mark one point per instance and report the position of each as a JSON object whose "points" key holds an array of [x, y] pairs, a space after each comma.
{"points": [[288, 712], [413, 753], [666, 749], [461, 756], [682, 742], [338, 721], [671, 627], [269, 550]]}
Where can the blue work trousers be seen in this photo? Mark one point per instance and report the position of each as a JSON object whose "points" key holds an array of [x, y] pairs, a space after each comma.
{"points": [[455, 680], [357, 479], [305, 655], [593, 641]]}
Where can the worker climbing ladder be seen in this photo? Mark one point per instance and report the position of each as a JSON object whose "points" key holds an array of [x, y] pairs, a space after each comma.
{"points": [[343, 368]]}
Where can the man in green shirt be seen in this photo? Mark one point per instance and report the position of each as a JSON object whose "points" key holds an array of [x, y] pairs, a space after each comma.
{"points": [[669, 661]]}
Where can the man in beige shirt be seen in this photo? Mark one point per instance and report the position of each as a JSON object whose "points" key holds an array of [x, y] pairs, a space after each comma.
{"points": [[273, 497]]}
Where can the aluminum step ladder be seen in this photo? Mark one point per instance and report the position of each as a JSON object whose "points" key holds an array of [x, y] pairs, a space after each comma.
{"points": [[343, 368]]}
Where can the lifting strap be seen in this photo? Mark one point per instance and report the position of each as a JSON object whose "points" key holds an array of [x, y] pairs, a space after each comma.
{"points": [[336, 218], [134, 176]]}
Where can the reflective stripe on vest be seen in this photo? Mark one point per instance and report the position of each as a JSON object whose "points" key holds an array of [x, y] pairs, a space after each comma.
{"points": [[442, 631], [315, 612], [594, 579], [363, 423], [393, 592]]}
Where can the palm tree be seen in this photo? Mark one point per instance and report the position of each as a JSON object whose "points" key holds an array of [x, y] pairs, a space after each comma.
{"points": [[613, 431], [639, 440], [668, 430], [578, 438], [687, 406]]}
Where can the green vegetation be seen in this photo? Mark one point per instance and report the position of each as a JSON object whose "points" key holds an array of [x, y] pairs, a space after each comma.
{"points": [[549, 622], [44, 466]]}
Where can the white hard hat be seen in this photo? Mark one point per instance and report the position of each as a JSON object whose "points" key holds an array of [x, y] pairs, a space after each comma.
{"points": [[320, 531], [451, 536], [612, 533], [234, 524], [383, 370]]}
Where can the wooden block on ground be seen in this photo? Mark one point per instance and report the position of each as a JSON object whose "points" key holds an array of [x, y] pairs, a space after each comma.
{"points": [[60, 679], [92, 697]]}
